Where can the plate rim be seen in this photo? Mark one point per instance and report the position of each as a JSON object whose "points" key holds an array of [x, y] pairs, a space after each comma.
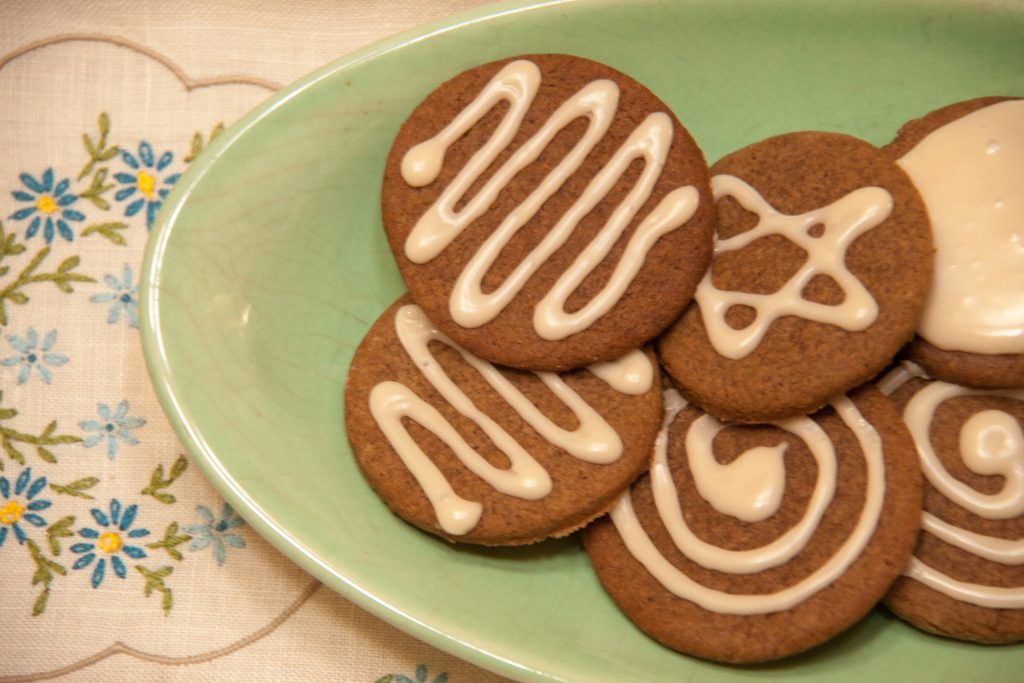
{"points": [[160, 372]]}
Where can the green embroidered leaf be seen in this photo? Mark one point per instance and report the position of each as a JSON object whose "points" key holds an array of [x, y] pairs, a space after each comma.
{"points": [[40, 604], [44, 574], [197, 141], [15, 455], [98, 151], [94, 193], [8, 246], [197, 147], [107, 230], [172, 539], [386, 678], [157, 481], [59, 529], [155, 582], [10, 436], [62, 278], [76, 487], [178, 467]]}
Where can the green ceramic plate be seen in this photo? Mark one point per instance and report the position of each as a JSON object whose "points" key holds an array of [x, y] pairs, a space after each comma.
{"points": [[269, 263]]}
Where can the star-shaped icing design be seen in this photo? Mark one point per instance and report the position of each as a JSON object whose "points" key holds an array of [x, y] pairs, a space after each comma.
{"points": [[843, 221]]}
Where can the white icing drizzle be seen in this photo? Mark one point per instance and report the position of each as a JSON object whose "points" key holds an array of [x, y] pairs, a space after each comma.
{"points": [[518, 82], [844, 221], [593, 440], [981, 432], [641, 547], [390, 402], [990, 443], [749, 488], [633, 374], [970, 174], [973, 593], [727, 495], [900, 375], [1001, 550]]}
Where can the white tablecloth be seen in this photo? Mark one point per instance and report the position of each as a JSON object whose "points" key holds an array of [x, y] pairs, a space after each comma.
{"points": [[118, 561]]}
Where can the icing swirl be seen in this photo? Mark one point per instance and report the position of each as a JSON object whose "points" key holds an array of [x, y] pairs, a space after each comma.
{"points": [[992, 444], [774, 554]]}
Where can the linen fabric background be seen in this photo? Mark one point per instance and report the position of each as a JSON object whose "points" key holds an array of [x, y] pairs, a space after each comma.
{"points": [[117, 558]]}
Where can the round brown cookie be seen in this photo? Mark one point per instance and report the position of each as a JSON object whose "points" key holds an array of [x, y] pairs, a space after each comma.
{"points": [[939, 354], [709, 620], [398, 419], [996, 371], [776, 201], [940, 415], [666, 275]]}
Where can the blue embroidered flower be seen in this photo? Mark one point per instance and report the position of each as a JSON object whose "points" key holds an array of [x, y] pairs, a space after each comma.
{"points": [[144, 180], [29, 356], [421, 676], [216, 532], [109, 541], [122, 298], [114, 426], [21, 505], [48, 204]]}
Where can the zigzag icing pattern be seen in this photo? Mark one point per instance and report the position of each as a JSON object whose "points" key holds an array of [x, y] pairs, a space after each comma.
{"points": [[517, 83], [593, 440]]}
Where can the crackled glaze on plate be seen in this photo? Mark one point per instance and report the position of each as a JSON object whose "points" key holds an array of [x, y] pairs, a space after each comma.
{"points": [[269, 263]]}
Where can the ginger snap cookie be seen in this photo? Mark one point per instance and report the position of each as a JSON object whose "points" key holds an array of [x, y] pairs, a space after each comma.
{"points": [[487, 455], [822, 263], [967, 161], [966, 579], [749, 543], [547, 211]]}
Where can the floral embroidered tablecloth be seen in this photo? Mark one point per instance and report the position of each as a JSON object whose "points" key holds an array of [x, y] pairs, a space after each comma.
{"points": [[117, 559]]}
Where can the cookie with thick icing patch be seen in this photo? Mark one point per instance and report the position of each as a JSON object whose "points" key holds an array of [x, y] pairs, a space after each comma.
{"points": [[547, 211], [749, 543], [822, 263], [487, 455], [966, 579], [967, 161]]}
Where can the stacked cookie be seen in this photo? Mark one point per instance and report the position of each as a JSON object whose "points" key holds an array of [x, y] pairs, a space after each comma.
{"points": [[549, 216], [961, 389], [598, 324], [779, 509]]}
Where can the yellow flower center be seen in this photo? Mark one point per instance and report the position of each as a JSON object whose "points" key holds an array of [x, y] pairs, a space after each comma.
{"points": [[46, 204], [11, 513], [110, 542], [146, 183]]}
